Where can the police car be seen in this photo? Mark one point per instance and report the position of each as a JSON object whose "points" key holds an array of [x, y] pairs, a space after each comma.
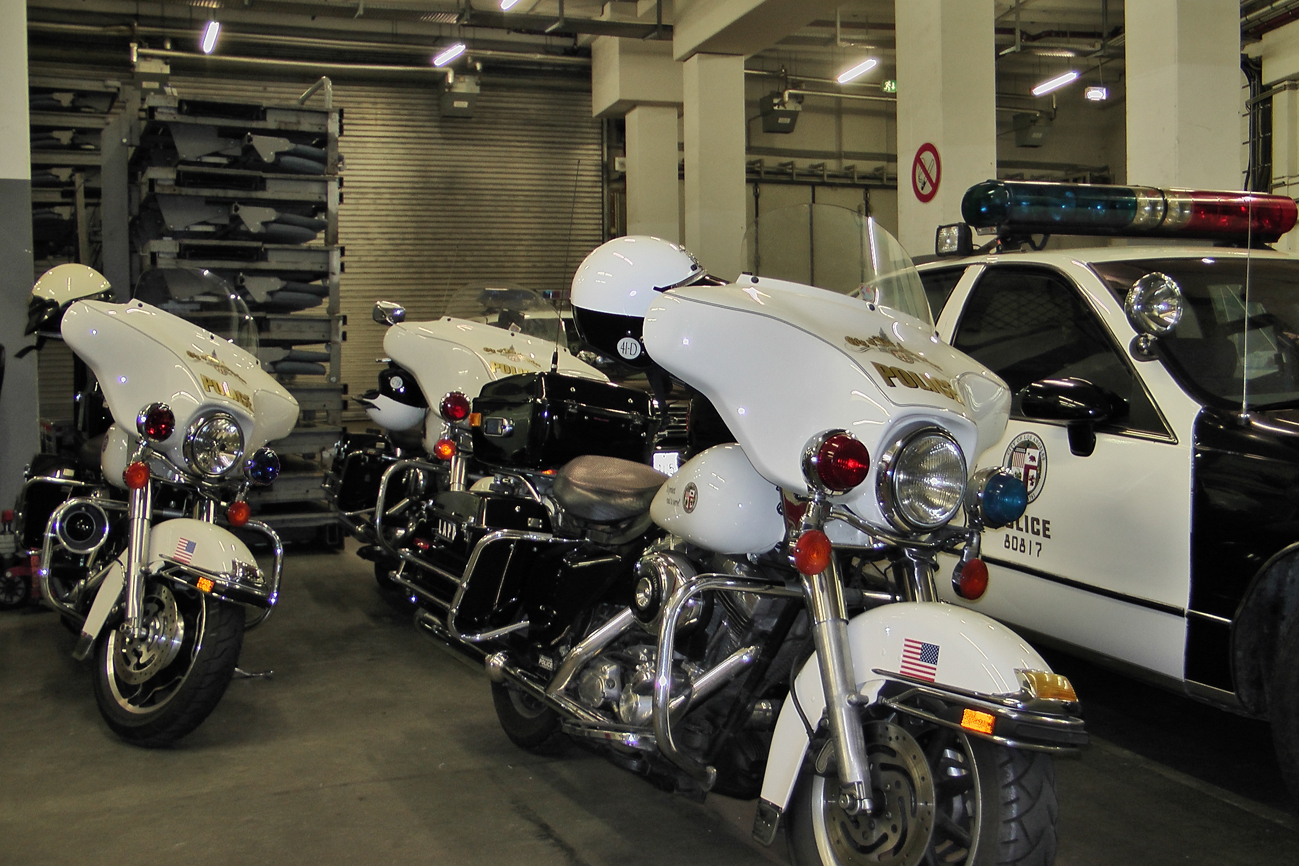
{"points": [[1155, 425]]}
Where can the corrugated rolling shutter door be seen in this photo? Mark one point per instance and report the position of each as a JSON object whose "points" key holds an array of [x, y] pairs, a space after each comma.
{"points": [[432, 204]]}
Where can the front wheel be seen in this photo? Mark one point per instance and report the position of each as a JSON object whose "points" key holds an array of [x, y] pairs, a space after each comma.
{"points": [[941, 797], [156, 689]]}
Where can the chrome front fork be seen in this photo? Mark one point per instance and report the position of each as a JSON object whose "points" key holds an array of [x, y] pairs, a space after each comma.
{"points": [[139, 508], [834, 658]]}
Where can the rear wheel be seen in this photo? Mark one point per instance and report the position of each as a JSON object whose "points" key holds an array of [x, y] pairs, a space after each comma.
{"points": [[941, 797], [528, 723], [155, 689]]}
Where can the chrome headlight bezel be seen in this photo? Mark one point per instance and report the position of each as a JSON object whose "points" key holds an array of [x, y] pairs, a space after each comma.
{"points": [[897, 508], [198, 446]]}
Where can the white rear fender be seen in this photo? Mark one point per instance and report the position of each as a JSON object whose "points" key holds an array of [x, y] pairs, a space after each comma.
{"points": [[937, 642]]}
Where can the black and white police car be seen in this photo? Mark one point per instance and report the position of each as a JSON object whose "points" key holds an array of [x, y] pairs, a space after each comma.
{"points": [[1155, 425]]}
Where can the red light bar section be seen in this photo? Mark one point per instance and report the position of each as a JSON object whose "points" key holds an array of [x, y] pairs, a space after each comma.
{"points": [[1232, 213]]}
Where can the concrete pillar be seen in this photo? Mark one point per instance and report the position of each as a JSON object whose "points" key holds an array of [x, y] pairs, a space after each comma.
{"points": [[653, 197], [947, 99], [1280, 52], [19, 438], [714, 152], [1184, 97]]}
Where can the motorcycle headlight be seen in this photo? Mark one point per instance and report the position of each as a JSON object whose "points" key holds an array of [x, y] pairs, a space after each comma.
{"points": [[921, 480], [214, 444]]}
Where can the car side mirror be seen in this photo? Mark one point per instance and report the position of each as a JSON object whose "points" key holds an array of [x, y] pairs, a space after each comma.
{"points": [[1077, 402], [388, 313]]}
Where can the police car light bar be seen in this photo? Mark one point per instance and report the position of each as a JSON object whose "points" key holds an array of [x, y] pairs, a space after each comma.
{"points": [[1026, 208]]}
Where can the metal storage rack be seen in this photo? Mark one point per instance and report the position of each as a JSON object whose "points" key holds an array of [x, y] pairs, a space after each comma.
{"points": [[251, 191]]}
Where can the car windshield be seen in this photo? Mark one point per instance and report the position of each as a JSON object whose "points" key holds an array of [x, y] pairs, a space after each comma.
{"points": [[509, 307], [838, 249], [1237, 343], [201, 297]]}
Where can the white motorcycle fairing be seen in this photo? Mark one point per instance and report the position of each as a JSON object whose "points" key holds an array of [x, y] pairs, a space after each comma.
{"points": [[973, 652], [450, 354], [141, 355], [741, 343], [719, 501], [210, 549]]}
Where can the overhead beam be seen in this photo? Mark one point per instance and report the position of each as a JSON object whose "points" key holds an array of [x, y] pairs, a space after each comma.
{"points": [[742, 27]]}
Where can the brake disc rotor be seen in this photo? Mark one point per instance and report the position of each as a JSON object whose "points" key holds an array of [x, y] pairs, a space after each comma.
{"points": [[141, 659], [899, 831]]}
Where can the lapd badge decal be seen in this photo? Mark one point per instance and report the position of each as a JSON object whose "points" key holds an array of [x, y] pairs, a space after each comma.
{"points": [[1026, 457], [690, 497]]}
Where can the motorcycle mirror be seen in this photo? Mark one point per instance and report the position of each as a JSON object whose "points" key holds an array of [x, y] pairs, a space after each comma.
{"points": [[388, 313]]}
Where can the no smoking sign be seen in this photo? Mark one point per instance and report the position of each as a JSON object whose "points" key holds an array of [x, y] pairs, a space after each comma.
{"points": [[926, 172]]}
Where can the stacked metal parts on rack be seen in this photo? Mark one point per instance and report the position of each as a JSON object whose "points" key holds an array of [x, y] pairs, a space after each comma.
{"points": [[251, 191], [67, 119]]}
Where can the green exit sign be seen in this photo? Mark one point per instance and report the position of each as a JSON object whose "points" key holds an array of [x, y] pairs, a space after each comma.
{"points": [[890, 85]]}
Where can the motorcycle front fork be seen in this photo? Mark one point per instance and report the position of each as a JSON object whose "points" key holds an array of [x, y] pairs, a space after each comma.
{"points": [[829, 617], [139, 509]]}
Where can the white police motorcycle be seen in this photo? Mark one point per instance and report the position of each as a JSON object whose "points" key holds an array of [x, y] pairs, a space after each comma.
{"points": [[764, 623], [130, 552]]}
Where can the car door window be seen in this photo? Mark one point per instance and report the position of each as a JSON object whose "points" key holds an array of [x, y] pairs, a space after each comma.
{"points": [[938, 287], [1028, 324]]}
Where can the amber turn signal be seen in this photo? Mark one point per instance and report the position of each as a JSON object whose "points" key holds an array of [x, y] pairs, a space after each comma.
{"points": [[204, 584], [812, 552], [444, 449], [136, 475], [238, 513], [1047, 685]]}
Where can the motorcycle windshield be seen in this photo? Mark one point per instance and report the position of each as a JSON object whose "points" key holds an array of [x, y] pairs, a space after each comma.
{"points": [[203, 298], [837, 249], [508, 307]]}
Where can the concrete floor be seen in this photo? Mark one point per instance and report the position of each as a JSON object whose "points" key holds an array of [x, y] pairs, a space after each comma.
{"points": [[371, 745]]}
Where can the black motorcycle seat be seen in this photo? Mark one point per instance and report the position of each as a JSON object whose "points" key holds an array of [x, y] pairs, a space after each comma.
{"points": [[606, 489]]}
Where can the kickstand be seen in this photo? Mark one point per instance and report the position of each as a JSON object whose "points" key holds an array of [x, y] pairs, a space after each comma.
{"points": [[241, 674]]}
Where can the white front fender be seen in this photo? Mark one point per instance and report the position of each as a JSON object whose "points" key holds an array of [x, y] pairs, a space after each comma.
{"points": [[189, 542], [973, 652]]}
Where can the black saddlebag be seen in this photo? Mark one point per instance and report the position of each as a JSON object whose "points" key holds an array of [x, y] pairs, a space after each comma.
{"points": [[358, 468], [543, 420]]}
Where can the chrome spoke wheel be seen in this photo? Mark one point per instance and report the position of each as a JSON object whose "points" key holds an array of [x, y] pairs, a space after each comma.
{"points": [[897, 833], [143, 671]]}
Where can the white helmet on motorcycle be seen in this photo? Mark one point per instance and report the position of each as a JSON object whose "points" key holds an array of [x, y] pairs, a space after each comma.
{"points": [[614, 285]]}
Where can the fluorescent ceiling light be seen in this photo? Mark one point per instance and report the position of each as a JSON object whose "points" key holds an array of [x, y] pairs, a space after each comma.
{"points": [[859, 70], [210, 34], [1053, 52], [1055, 83], [449, 54], [1096, 93], [508, 4]]}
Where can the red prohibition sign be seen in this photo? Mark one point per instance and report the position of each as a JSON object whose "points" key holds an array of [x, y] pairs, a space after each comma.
{"points": [[926, 172]]}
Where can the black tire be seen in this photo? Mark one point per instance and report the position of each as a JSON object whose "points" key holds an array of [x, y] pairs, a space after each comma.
{"points": [[528, 723], [989, 805], [153, 692], [1283, 706]]}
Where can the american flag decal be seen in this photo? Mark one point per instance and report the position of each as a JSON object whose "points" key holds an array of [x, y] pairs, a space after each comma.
{"points": [[920, 659], [185, 552]]}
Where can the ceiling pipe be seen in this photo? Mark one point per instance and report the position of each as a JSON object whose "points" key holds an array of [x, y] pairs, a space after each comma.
{"points": [[409, 49], [309, 65]]}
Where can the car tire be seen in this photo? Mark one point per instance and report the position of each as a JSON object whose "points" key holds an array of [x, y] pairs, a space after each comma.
{"points": [[1283, 705]]}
